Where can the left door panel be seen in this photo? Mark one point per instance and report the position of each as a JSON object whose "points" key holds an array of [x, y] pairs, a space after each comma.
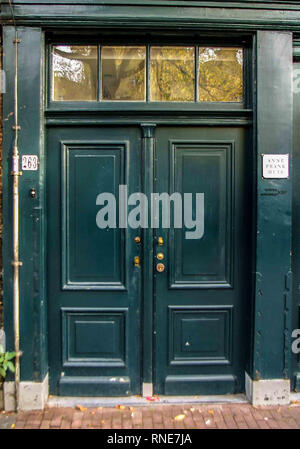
{"points": [[93, 284]]}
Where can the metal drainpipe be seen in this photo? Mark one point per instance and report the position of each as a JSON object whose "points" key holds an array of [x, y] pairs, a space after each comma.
{"points": [[16, 263]]}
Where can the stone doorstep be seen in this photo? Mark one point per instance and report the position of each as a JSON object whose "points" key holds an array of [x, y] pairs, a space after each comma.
{"points": [[139, 401]]}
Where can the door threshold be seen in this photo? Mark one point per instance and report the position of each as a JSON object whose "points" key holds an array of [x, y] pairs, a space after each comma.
{"points": [[91, 402], [295, 397]]}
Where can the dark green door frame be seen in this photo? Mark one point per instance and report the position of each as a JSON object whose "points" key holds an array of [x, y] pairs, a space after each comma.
{"points": [[33, 301], [295, 373], [271, 342], [269, 356]]}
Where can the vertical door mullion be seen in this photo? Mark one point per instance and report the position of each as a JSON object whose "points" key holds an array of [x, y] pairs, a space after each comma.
{"points": [[148, 73], [99, 84], [148, 299], [197, 73]]}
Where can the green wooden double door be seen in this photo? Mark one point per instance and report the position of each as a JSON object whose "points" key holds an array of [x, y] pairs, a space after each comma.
{"points": [[117, 319]]}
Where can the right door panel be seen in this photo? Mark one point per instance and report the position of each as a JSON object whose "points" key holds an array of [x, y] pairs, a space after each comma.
{"points": [[202, 297]]}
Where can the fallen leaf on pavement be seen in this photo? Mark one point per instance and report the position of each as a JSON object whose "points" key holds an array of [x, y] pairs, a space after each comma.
{"points": [[179, 417], [121, 407], [211, 412], [12, 426], [152, 398], [81, 408]]}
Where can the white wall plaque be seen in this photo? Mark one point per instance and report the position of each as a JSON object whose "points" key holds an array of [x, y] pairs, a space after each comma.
{"points": [[30, 162], [275, 166]]}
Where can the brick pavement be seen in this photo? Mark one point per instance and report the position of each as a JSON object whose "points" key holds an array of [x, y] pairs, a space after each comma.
{"points": [[188, 416]]}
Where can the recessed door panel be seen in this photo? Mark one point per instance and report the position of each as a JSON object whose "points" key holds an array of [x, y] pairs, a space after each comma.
{"points": [[200, 335], [83, 263], [204, 169]]}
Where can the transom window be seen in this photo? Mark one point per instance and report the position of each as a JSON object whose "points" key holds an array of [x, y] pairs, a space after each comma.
{"points": [[146, 73]]}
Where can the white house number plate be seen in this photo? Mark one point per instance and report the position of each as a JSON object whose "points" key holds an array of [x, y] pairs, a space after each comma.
{"points": [[30, 162], [275, 165]]}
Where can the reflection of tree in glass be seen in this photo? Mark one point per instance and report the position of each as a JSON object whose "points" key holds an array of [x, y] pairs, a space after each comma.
{"points": [[74, 72], [172, 73], [220, 74], [123, 73]]}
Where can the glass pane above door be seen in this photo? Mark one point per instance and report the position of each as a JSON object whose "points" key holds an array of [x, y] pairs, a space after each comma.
{"points": [[74, 73], [123, 73], [172, 74], [220, 74]]}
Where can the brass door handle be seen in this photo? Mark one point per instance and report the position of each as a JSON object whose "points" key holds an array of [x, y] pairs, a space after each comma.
{"points": [[137, 261]]}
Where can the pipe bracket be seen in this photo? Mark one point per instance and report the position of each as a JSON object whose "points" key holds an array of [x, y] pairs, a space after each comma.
{"points": [[16, 263]]}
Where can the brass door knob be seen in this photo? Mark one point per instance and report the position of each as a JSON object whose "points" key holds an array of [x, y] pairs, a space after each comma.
{"points": [[137, 239], [160, 267], [160, 256], [160, 241]]}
